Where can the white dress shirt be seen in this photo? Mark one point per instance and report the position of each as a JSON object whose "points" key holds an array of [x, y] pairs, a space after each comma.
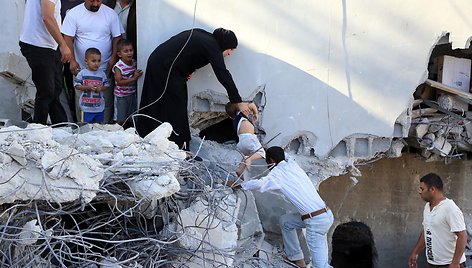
{"points": [[292, 181]]}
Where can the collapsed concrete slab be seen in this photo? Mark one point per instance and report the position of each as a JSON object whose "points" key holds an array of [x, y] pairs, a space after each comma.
{"points": [[57, 165], [44, 169], [209, 232]]}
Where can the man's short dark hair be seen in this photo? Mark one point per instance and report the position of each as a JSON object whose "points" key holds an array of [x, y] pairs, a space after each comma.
{"points": [[231, 109], [432, 180], [92, 51], [276, 153], [123, 43]]}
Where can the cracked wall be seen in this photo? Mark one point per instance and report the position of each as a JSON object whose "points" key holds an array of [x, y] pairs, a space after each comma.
{"points": [[316, 61]]}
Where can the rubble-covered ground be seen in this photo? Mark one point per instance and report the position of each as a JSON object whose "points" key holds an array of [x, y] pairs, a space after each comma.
{"points": [[100, 196]]}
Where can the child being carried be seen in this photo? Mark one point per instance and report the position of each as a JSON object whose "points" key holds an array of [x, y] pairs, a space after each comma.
{"points": [[248, 144]]}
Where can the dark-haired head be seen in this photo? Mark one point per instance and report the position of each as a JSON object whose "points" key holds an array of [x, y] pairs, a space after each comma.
{"points": [[226, 39], [432, 180], [274, 155], [92, 51], [123, 43]]}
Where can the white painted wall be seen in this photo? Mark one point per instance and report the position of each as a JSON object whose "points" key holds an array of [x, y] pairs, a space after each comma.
{"points": [[332, 68], [11, 18]]}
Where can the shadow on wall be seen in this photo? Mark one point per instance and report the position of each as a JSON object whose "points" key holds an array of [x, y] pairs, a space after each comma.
{"points": [[304, 109], [311, 116], [353, 246]]}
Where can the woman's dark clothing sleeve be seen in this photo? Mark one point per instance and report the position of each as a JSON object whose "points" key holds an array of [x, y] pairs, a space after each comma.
{"points": [[167, 102], [218, 65]]}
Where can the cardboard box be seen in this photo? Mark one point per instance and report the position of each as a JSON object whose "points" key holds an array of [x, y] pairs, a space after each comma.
{"points": [[455, 72]]}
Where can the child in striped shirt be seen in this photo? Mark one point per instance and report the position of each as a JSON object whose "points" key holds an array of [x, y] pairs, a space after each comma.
{"points": [[126, 75]]}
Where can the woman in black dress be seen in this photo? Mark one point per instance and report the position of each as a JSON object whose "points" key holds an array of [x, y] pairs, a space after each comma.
{"points": [[164, 95]]}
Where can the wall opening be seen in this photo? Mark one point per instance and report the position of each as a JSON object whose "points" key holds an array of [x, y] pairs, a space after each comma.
{"points": [[441, 116], [220, 132]]}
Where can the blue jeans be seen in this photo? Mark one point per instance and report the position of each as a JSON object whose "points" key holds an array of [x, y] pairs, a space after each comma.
{"points": [[316, 237]]}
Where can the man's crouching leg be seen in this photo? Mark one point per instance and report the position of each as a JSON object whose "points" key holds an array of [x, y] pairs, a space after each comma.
{"points": [[289, 223]]}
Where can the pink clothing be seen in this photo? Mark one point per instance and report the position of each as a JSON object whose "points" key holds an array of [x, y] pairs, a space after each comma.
{"points": [[127, 72]]}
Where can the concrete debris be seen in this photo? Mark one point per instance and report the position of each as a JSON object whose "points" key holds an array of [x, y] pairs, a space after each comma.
{"points": [[211, 230], [249, 223], [396, 148], [17, 152], [30, 233], [441, 130]]}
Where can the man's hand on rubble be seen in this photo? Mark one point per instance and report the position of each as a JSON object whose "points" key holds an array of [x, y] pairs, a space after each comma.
{"points": [[233, 184]]}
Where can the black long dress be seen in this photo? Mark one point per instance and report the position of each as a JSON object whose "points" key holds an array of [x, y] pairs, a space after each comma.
{"points": [[171, 107]]}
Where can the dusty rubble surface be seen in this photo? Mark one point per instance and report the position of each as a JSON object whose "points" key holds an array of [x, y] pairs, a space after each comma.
{"points": [[99, 196]]}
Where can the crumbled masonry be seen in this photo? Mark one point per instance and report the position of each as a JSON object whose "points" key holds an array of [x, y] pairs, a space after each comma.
{"points": [[99, 195]]}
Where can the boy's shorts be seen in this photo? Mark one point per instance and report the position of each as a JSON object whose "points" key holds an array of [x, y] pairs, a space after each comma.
{"points": [[124, 107], [93, 117], [249, 144]]}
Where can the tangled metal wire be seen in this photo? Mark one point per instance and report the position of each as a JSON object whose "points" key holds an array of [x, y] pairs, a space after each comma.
{"points": [[114, 228]]}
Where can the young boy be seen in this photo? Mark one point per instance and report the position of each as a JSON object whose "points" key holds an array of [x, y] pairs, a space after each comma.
{"points": [[92, 82], [248, 144], [126, 75]]}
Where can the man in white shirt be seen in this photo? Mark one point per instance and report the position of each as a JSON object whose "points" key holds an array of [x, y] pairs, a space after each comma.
{"points": [[444, 233], [44, 48], [289, 178], [93, 25]]}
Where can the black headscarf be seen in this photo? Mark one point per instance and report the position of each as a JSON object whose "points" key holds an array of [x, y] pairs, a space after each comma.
{"points": [[226, 39]]}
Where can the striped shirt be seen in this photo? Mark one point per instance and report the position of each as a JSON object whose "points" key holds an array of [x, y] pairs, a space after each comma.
{"points": [[127, 72]]}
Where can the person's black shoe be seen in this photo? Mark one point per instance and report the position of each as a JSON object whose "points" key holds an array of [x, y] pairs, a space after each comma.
{"points": [[191, 157]]}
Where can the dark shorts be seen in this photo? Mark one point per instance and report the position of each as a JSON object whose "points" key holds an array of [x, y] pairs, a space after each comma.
{"points": [[94, 117]]}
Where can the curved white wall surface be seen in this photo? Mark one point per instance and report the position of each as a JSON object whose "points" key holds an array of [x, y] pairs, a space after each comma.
{"points": [[330, 68]]}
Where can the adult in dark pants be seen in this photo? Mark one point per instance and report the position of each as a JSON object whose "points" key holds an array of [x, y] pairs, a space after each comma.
{"points": [[68, 76], [164, 96], [44, 48]]}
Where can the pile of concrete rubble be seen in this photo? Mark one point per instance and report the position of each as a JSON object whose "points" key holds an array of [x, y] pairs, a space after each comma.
{"points": [[100, 196], [440, 123]]}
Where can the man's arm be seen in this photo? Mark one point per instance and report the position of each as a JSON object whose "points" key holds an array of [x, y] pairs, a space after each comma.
{"points": [[114, 56], [460, 248], [255, 113], [47, 12], [74, 65], [420, 245]]}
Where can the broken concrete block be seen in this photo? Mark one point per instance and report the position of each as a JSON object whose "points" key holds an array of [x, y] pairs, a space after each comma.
{"points": [[427, 140], [422, 112], [442, 146], [433, 128], [202, 229], [420, 130], [153, 188], [446, 101], [17, 152], [209, 101], [426, 153], [14, 68], [248, 223], [468, 130], [158, 136], [30, 233], [396, 148]]}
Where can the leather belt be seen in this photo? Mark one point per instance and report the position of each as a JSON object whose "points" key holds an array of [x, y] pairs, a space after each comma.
{"points": [[315, 213]]}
